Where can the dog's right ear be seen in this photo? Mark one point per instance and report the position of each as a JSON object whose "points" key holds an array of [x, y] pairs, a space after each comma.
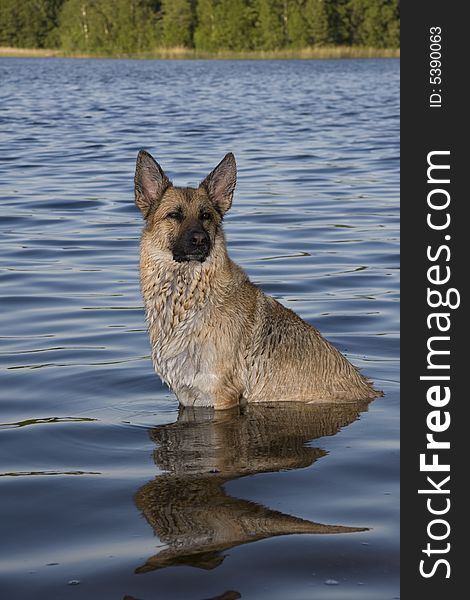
{"points": [[150, 182]]}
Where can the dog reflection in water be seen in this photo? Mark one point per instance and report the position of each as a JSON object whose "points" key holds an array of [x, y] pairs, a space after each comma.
{"points": [[188, 507]]}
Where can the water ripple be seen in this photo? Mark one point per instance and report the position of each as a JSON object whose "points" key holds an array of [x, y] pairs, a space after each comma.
{"points": [[314, 222]]}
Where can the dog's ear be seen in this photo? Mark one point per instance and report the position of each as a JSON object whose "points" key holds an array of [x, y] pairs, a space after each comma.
{"points": [[220, 184], [150, 182]]}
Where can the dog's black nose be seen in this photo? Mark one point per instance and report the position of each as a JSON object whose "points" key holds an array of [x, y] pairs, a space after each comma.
{"points": [[199, 238], [194, 244]]}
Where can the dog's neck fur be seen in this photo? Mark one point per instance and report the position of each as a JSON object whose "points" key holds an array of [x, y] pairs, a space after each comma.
{"points": [[178, 293]]}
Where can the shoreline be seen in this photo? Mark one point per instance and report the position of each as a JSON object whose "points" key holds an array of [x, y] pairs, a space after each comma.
{"points": [[311, 53]]}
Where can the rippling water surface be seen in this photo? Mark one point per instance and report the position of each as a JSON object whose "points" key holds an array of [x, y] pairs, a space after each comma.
{"points": [[108, 492]]}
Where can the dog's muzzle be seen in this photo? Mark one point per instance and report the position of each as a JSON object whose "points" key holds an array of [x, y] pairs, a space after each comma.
{"points": [[192, 245]]}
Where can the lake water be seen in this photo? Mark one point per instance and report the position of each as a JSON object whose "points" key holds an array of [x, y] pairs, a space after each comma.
{"points": [[106, 490]]}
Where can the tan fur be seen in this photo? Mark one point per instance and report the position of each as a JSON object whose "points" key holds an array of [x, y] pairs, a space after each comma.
{"points": [[216, 338]]}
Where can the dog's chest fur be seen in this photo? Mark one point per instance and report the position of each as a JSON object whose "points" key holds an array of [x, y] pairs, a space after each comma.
{"points": [[178, 309]]}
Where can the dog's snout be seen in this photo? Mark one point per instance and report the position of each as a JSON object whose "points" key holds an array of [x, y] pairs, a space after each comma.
{"points": [[193, 244], [199, 238]]}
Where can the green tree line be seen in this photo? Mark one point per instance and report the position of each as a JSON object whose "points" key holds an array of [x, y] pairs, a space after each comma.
{"points": [[129, 26]]}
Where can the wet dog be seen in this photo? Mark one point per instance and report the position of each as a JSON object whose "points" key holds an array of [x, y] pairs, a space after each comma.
{"points": [[217, 339]]}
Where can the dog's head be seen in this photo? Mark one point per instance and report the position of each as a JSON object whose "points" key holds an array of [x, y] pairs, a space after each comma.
{"points": [[183, 222]]}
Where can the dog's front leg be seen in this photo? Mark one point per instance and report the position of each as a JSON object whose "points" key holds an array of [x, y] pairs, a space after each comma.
{"points": [[227, 395], [226, 401]]}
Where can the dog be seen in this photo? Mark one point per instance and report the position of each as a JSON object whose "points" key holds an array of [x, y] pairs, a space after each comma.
{"points": [[217, 340]]}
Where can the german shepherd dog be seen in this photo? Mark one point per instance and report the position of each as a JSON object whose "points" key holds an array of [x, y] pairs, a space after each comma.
{"points": [[218, 340]]}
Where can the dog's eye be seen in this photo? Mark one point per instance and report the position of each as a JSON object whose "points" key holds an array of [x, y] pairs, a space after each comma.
{"points": [[206, 216], [175, 215]]}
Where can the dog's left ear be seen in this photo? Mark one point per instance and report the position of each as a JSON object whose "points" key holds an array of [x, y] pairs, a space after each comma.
{"points": [[220, 184]]}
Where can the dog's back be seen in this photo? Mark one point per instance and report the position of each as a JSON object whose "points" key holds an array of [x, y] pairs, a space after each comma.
{"points": [[290, 360]]}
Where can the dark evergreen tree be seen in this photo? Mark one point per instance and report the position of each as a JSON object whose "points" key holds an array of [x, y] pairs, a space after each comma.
{"points": [[29, 23], [225, 24], [178, 22], [296, 24], [205, 25], [318, 15], [234, 27], [270, 24], [375, 23]]}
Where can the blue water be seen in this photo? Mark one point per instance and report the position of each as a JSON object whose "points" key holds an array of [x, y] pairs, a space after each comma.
{"points": [[108, 492]]}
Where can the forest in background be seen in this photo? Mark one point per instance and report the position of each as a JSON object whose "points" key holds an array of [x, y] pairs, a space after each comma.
{"points": [[129, 27]]}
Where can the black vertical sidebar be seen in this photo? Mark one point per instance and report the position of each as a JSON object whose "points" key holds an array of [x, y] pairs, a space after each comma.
{"points": [[435, 328]]}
